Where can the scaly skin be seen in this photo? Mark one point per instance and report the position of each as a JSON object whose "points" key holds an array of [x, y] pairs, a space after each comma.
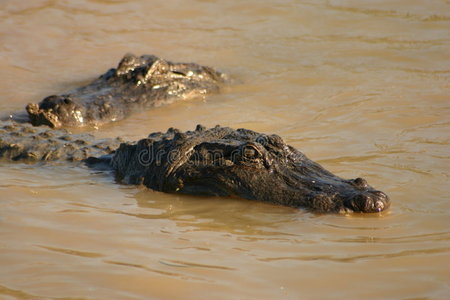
{"points": [[136, 84], [226, 162], [25, 143], [219, 161]]}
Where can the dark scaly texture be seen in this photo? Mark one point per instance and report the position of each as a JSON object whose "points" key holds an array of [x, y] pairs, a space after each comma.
{"points": [[219, 161], [226, 162], [25, 143], [137, 83]]}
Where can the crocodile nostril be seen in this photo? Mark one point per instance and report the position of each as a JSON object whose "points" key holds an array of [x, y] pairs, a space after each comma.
{"points": [[66, 101], [360, 182], [379, 205]]}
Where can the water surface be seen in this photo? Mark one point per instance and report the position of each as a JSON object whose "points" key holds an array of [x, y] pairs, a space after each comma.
{"points": [[362, 87]]}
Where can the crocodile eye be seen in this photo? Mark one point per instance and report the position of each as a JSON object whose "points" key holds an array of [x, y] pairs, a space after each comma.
{"points": [[250, 152], [179, 73]]}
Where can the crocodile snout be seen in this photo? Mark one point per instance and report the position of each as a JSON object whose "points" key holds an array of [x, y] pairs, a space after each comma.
{"points": [[55, 110], [368, 202]]}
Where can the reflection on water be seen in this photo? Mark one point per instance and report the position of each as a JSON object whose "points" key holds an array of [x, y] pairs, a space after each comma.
{"points": [[359, 86]]}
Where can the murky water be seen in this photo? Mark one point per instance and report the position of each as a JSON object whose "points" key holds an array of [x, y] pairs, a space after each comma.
{"points": [[362, 87]]}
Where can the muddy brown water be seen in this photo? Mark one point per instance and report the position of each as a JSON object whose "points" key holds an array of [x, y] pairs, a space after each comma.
{"points": [[362, 87]]}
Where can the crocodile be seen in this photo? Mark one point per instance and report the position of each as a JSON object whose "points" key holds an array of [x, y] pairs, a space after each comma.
{"points": [[24, 143], [137, 83], [219, 161]]}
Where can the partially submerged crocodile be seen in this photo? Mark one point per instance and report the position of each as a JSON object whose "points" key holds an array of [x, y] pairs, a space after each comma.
{"points": [[137, 83], [24, 143], [219, 161]]}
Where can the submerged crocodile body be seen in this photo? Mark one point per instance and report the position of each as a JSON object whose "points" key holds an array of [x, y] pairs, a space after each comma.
{"points": [[219, 161], [137, 83], [24, 143]]}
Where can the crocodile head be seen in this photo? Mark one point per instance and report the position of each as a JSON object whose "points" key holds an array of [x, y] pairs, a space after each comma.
{"points": [[56, 111], [137, 83], [226, 162]]}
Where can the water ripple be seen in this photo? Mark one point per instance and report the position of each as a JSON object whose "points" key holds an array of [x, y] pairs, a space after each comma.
{"points": [[406, 239], [389, 13], [142, 267], [184, 264], [344, 38], [355, 258], [72, 252]]}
